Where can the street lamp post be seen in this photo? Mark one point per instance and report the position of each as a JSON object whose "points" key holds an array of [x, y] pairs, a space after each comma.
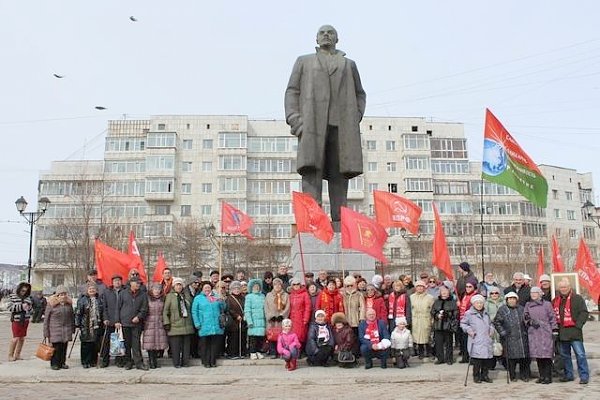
{"points": [[31, 217], [591, 213]]}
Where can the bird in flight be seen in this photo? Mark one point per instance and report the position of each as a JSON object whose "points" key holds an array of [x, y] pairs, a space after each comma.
{"points": [[133, 19], [100, 108], [58, 76]]}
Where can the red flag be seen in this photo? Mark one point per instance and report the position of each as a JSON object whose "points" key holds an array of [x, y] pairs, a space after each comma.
{"points": [[392, 210], [557, 261], [234, 221], [134, 251], [310, 217], [540, 266], [587, 271], [111, 262], [363, 234], [441, 257], [161, 264]]}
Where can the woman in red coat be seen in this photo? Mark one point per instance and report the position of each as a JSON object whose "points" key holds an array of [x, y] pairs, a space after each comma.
{"points": [[300, 310], [330, 300], [374, 300]]}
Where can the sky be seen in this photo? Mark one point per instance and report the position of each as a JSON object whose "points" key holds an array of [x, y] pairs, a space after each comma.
{"points": [[535, 64]]}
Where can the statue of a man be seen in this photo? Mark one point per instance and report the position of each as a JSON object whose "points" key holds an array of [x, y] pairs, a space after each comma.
{"points": [[324, 104]]}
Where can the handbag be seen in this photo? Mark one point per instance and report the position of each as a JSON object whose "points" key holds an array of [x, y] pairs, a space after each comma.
{"points": [[346, 357], [273, 333], [497, 348], [44, 351], [117, 344], [224, 320]]}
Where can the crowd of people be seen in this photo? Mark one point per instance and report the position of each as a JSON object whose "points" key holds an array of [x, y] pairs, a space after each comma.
{"points": [[327, 320]]}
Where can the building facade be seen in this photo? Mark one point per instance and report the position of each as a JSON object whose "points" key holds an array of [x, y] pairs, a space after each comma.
{"points": [[165, 178]]}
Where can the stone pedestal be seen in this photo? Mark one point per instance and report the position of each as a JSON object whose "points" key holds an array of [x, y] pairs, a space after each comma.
{"points": [[319, 255]]}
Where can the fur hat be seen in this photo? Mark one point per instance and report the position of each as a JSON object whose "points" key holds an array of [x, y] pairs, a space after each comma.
{"points": [[545, 277], [235, 285], [477, 298], [377, 280], [465, 266], [180, 281], [338, 317], [319, 312], [349, 280], [536, 289]]}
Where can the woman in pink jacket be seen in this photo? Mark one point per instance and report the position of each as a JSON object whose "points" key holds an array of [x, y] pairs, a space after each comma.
{"points": [[288, 345]]}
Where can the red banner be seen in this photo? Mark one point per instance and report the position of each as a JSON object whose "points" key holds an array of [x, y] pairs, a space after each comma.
{"points": [[392, 210], [587, 271], [110, 262], [234, 221], [557, 261], [161, 264], [311, 218], [134, 251], [441, 257], [362, 233], [540, 265]]}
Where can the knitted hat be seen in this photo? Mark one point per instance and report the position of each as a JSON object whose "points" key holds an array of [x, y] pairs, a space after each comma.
{"points": [[527, 277], [295, 281], [235, 285], [465, 266], [349, 281], [277, 280], [477, 298], [338, 317], [511, 294], [267, 275], [545, 278], [472, 280], [286, 322], [60, 289], [377, 280], [536, 289], [420, 283], [401, 320], [180, 281], [320, 312], [156, 285]]}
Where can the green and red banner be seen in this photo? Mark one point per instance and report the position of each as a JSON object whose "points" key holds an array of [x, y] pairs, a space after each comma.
{"points": [[505, 163]]}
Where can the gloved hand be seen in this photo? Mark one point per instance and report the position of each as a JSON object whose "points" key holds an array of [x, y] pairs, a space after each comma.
{"points": [[535, 323], [167, 327]]}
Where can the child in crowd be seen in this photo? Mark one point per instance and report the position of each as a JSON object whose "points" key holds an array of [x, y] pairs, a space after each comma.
{"points": [[288, 345], [402, 343]]}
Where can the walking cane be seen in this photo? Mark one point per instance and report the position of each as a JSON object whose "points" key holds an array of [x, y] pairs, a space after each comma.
{"points": [[506, 358], [240, 338], [102, 345], [469, 366], [74, 340]]}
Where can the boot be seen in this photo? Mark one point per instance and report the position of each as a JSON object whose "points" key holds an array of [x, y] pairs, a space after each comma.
{"points": [[18, 348], [11, 349], [151, 359], [288, 364], [293, 364], [421, 351]]}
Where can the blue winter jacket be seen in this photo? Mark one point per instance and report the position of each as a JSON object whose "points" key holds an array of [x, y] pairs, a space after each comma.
{"points": [[254, 310], [206, 315]]}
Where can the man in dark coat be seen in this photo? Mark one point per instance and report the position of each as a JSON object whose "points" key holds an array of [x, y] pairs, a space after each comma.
{"points": [[133, 307], [91, 277], [520, 288], [571, 315], [465, 275], [110, 312], [324, 104]]}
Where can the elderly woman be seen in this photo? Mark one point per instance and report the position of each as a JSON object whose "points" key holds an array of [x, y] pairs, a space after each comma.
{"points": [[177, 320], [510, 326], [445, 322], [421, 303], [477, 325], [540, 320], [354, 303], [313, 294], [20, 306], [330, 300], [300, 310], [398, 305], [155, 337], [254, 314], [59, 325], [277, 308], [374, 339], [89, 320], [206, 310], [493, 302], [320, 342], [237, 329], [344, 338], [374, 300]]}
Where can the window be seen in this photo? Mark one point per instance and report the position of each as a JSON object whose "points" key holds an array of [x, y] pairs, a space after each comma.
{"points": [[278, 165], [417, 184], [414, 128], [389, 127], [372, 167], [124, 188], [186, 188], [569, 195], [125, 144], [589, 233], [207, 126], [556, 213], [451, 187], [186, 166], [230, 140], [160, 163], [159, 185], [188, 144], [557, 232], [417, 163], [166, 139], [356, 184], [390, 145], [371, 145], [122, 167], [206, 209], [555, 194], [373, 187], [232, 163], [448, 148], [232, 185], [272, 144], [187, 126], [206, 166], [58, 280], [393, 187], [450, 166], [391, 167], [158, 229], [186, 210], [455, 207], [162, 127], [162, 209], [207, 144], [571, 215], [207, 188], [272, 186], [573, 233], [416, 142]]}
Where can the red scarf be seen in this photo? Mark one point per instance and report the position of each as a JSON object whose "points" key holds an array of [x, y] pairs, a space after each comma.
{"points": [[465, 303], [567, 320], [369, 302], [372, 332], [399, 308]]}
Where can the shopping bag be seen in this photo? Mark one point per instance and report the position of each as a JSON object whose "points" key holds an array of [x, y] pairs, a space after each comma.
{"points": [[117, 343]]}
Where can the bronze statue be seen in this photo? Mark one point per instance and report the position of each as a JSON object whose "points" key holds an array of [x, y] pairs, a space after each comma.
{"points": [[324, 104]]}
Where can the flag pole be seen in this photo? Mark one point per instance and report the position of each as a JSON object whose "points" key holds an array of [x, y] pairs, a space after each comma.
{"points": [[301, 258], [220, 255], [481, 210], [341, 259]]}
